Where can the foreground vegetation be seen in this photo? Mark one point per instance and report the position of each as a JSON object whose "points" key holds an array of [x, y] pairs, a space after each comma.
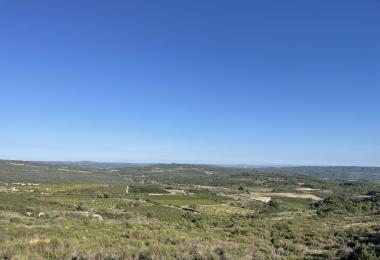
{"points": [[118, 211]]}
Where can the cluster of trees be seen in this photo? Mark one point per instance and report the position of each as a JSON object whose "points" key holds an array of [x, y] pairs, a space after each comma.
{"points": [[344, 204]]}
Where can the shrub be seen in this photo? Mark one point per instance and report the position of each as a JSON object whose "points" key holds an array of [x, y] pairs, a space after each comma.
{"points": [[193, 207], [363, 252], [150, 214], [81, 207], [274, 204], [102, 195]]}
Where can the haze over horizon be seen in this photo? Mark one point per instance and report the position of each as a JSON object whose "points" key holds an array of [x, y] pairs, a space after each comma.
{"points": [[243, 165], [273, 82]]}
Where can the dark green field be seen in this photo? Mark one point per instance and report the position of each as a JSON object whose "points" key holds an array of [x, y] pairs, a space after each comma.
{"points": [[126, 211]]}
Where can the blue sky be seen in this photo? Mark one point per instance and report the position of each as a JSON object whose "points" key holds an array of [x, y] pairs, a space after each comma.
{"points": [[259, 82]]}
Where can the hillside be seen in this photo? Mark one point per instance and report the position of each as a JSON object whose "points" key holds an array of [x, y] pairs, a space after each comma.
{"points": [[85, 210]]}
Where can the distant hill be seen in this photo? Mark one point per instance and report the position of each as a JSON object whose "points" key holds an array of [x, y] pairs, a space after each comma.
{"points": [[331, 172], [100, 172]]}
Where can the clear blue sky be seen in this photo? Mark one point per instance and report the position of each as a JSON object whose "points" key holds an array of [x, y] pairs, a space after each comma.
{"points": [[260, 82]]}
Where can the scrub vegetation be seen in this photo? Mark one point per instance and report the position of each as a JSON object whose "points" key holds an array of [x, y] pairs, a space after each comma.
{"points": [[126, 211]]}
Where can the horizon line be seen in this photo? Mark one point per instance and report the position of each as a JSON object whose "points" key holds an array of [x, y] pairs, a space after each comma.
{"points": [[196, 163]]}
